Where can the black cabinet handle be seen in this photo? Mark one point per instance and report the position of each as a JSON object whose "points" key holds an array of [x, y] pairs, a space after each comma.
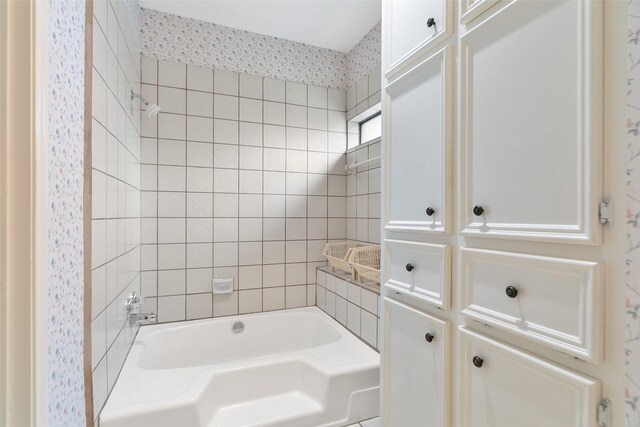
{"points": [[431, 22], [409, 267], [477, 362], [429, 337], [430, 211], [511, 291], [478, 210]]}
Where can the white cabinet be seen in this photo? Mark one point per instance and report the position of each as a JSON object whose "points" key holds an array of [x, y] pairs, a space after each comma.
{"points": [[418, 156], [505, 387], [493, 171], [469, 9], [531, 122], [416, 359], [421, 270], [556, 302], [415, 26]]}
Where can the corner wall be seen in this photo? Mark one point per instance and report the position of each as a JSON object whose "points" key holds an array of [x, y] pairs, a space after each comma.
{"points": [[65, 253], [115, 170]]}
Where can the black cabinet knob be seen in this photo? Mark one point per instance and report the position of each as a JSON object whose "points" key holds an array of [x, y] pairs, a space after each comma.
{"points": [[477, 362], [429, 337], [478, 210], [511, 291], [430, 211], [409, 267], [431, 22]]}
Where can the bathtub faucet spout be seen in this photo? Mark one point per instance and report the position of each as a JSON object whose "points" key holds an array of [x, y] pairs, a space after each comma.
{"points": [[133, 304]]}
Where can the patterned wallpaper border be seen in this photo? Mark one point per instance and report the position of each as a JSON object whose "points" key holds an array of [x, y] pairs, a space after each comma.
{"points": [[195, 42]]}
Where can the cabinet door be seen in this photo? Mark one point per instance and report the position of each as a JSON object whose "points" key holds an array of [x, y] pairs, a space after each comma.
{"points": [[505, 387], [418, 148], [531, 131], [421, 270], [415, 368], [469, 9], [556, 302], [415, 26]]}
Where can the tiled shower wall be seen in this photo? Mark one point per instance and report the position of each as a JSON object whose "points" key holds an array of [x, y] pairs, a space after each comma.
{"points": [[242, 177], [363, 184], [115, 249]]}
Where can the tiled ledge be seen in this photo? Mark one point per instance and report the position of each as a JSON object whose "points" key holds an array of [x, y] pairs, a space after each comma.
{"points": [[367, 284], [355, 305]]}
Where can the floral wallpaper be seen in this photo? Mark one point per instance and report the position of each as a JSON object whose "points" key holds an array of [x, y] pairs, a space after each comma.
{"points": [[365, 56], [190, 41], [632, 309], [66, 153]]}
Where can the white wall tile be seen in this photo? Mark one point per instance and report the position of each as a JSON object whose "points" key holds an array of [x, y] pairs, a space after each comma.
{"points": [[199, 205], [250, 86], [199, 103], [296, 116], [250, 134], [274, 90], [296, 296], [250, 110], [199, 306], [172, 100], [274, 136], [225, 82], [274, 113], [172, 74], [317, 96], [199, 78], [171, 126], [225, 107], [225, 131], [171, 308], [296, 93], [273, 299], [199, 129]]}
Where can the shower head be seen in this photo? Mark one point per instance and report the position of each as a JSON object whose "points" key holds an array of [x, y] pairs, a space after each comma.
{"points": [[152, 110]]}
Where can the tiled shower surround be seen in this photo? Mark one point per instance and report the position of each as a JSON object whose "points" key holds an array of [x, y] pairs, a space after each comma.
{"points": [[363, 184], [115, 249], [242, 177]]}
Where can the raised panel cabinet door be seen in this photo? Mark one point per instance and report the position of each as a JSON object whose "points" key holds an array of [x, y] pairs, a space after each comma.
{"points": [[415, 27], [420, 270], [415, 368], [505, 387], [531, 122], [553, 301], [418, 148]]}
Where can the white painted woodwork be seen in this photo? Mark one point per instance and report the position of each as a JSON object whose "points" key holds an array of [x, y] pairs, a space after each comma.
{"points": [[523, 83], [470, 9], [430, 278], [531, 113], [417, 372], [409, 34], [559, 302], [514, 388], [418, 155]]}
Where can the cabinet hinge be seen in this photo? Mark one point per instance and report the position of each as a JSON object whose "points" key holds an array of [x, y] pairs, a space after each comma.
{"points": [[606, 212], [604, 413]]}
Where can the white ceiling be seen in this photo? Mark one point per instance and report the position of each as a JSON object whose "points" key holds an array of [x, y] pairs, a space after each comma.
{"points": [[332, 24]]}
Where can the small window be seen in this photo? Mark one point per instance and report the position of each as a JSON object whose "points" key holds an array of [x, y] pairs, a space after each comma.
{"points": [[371, 128]]}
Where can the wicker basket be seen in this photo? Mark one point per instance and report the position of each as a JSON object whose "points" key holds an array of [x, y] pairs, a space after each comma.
{"points": [[337, 253], [366, 262]]}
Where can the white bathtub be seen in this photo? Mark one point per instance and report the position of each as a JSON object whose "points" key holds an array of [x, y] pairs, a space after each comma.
{"points": [[291, 368]]}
